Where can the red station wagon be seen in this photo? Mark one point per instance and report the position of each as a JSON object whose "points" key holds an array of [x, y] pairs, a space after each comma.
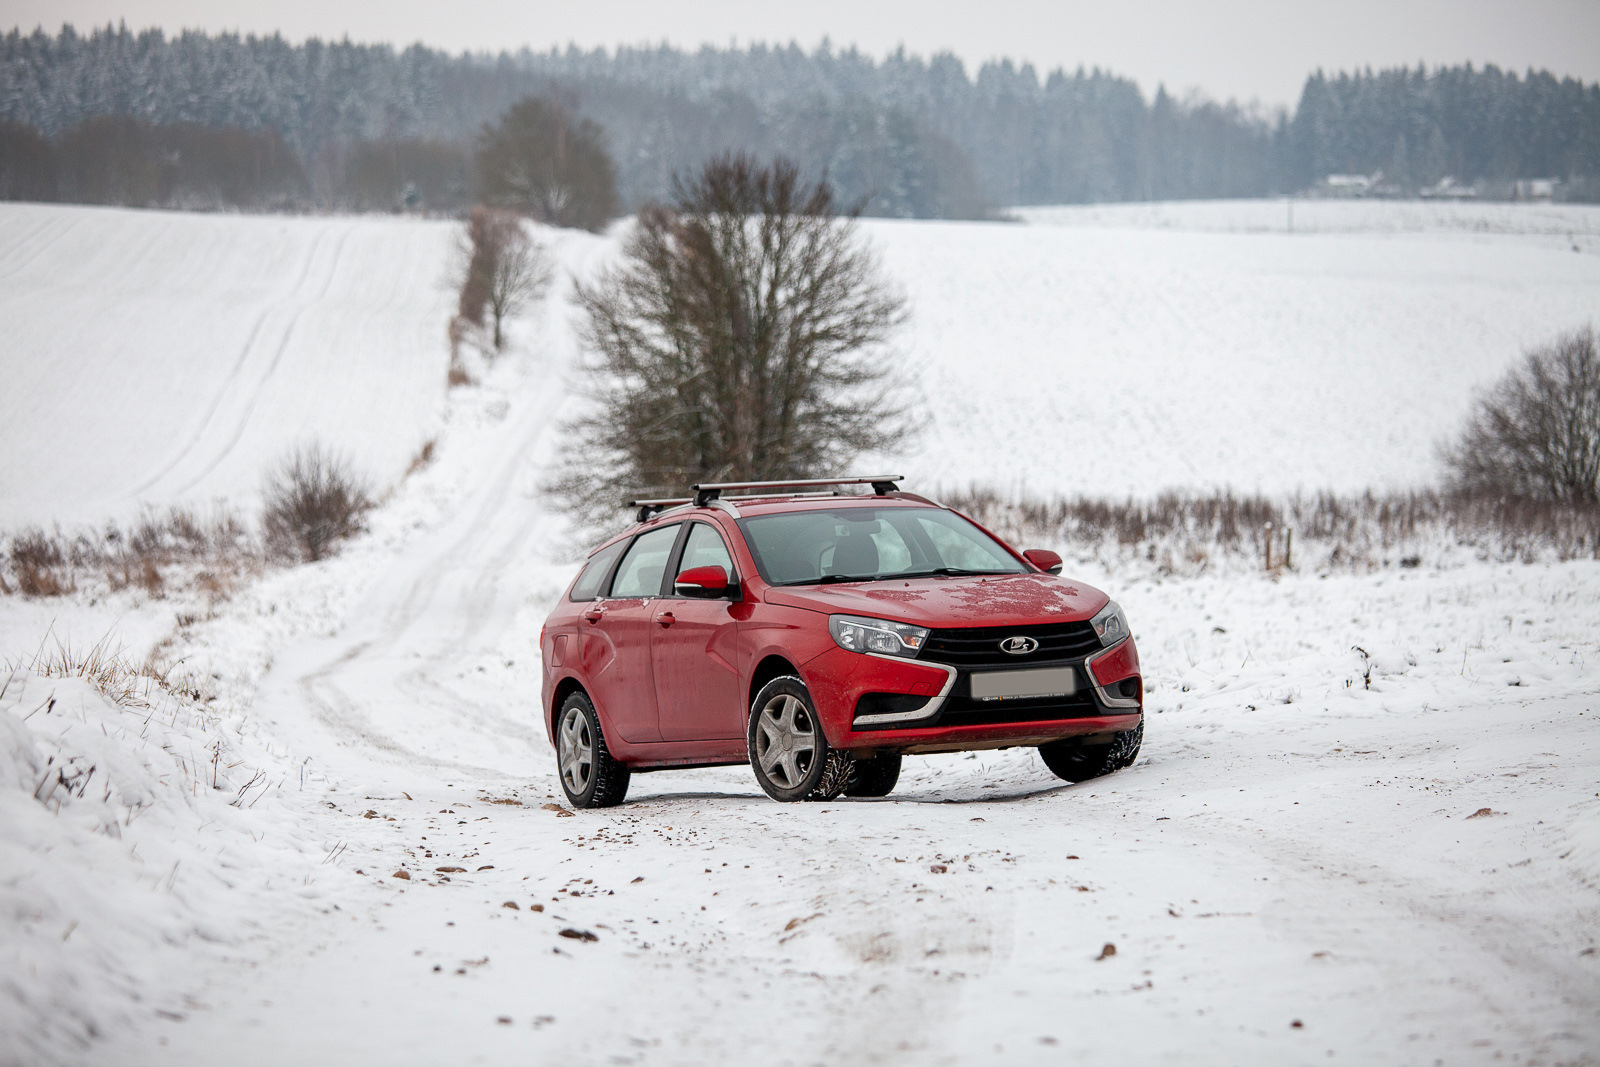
{"points": [[821, 636]]}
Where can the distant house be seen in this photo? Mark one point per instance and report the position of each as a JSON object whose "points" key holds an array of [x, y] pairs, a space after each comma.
{"points": [[1446, 188], [1349, 184], [1534, 188]]}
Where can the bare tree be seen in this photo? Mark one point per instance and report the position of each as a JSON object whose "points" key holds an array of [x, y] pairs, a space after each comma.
{"points": [[742, 336], [522, 272], [506, 269], [1536, 432]]}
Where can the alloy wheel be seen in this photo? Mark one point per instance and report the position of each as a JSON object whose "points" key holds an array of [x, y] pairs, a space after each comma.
{"points": [[786, 740]]}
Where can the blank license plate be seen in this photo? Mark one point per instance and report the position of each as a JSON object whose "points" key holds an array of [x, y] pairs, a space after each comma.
{"points": [[1048, 682]]}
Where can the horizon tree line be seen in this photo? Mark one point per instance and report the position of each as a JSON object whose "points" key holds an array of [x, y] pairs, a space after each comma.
{"points": [[903, 136]]}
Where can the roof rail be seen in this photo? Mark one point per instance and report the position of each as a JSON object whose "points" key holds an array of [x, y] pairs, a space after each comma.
{"points": [[705, 492]]}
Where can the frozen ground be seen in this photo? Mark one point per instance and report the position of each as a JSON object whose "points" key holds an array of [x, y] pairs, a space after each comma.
{"points": [[1299, 843], [1294, 846]]}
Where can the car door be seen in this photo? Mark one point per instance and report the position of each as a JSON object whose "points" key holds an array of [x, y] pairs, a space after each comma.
{"points": [[617, 632], [694, 651]]}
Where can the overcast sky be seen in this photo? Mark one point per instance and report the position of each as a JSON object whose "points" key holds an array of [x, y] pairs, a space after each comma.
{"points": [[1243, 49]]}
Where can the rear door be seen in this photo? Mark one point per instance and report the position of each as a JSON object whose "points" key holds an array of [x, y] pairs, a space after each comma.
{"points": [[617, 637], [694, 651]]}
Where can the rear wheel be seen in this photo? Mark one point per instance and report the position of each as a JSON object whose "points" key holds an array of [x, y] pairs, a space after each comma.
{"points": [[790, 757], [874, 777], [1079, 763], [590, 777]]}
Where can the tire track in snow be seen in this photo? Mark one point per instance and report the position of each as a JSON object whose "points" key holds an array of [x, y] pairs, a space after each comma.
{"points": [[272, 368], [238, 368], [50, 231]]}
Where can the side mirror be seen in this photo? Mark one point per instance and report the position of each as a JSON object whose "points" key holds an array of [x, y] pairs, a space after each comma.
{"points": [[707, 583], [1044, 559]]}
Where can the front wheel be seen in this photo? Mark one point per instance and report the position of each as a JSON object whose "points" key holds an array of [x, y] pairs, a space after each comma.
{"points": [[790, 757], [589, 775], [1079, 763]]}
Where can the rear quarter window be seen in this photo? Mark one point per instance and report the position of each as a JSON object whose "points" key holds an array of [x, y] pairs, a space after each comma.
{"points": [[587, 587]]}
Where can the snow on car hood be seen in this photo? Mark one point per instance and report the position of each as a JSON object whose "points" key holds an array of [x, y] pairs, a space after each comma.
{"points": [[996, 600]]}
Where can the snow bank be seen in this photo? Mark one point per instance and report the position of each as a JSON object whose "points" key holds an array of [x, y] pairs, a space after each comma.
{"points": [[133, 834]]}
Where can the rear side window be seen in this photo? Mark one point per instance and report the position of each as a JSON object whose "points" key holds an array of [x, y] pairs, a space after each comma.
{"points": [[644, 566], [587, 587]]}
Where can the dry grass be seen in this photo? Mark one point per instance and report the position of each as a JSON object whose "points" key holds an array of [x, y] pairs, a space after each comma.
{"points": [[160, 548], [1327, 531], [423, 458], [102, 666]]}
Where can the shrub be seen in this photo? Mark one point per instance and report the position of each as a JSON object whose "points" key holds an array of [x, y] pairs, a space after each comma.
{"points": [[1190, 534], [1536, 432], [312, 501]]}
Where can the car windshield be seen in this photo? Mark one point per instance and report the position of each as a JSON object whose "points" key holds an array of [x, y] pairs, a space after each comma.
{"points": [[860, 544]]}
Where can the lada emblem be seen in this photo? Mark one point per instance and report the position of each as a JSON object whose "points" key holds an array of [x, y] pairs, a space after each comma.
{"points": [[1018, 646]]}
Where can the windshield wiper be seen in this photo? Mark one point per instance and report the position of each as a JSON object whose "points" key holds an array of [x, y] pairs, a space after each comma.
{"points": [[947, 572], [937, 572]]}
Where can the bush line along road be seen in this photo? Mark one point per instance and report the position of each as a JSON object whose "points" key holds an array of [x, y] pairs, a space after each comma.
{"points": [[1389, 854]]}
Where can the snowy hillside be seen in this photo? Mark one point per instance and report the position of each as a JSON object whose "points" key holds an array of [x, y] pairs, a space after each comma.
{"points": [[160, 357], [154, 357], [1118, 357]]}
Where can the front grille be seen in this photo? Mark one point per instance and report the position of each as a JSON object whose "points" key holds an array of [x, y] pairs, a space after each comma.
{"points": [[980, 646]]}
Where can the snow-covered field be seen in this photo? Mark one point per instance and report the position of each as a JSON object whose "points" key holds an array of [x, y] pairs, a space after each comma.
{"points": [[153, 356], [1121, 356], [157, 357], [1298, 869]]}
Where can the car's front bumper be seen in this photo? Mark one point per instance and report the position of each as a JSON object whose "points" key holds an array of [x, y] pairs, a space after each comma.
{"points": [[869, 703]]}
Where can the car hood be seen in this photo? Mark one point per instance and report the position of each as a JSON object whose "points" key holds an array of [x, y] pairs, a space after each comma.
{"points": [[998, 600]]}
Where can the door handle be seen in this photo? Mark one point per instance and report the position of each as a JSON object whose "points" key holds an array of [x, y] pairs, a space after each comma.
{"points": [[594, 614], [666, 618]]}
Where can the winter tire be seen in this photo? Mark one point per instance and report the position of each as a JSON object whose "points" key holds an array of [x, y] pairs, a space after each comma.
{"points": [[1079, 763], [589, 776], [788, 753], [873, 777]]}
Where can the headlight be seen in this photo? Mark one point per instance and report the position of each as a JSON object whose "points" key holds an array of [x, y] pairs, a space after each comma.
{"points": [[860, 634], [1110, 625]]}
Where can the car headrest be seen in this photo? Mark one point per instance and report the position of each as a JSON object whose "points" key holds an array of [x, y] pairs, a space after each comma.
{"points": [[854, 554]]}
